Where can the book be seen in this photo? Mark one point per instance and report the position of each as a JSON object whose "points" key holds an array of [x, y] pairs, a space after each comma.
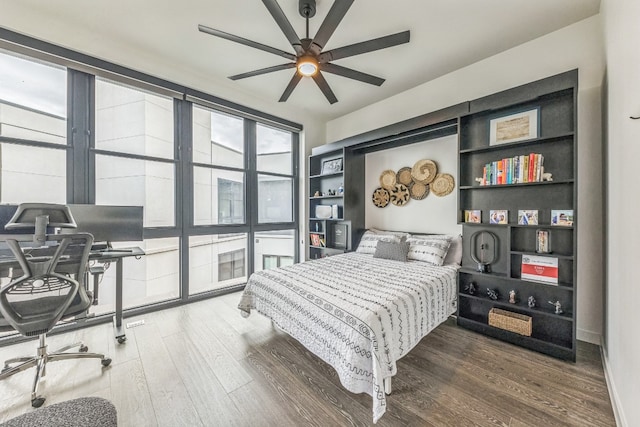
{"points": [[528, 217], [540, 269]]}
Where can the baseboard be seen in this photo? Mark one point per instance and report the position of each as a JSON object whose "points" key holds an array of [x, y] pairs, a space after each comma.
{"points": [[588, 336], [613, 394]]}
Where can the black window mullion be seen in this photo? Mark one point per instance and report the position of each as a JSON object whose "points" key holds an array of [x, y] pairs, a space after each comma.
{"points": [[251, 199], [183, 116], [79, 135]]}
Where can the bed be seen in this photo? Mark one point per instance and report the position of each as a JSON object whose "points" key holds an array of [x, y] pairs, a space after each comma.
{"points": [[357, 312]]}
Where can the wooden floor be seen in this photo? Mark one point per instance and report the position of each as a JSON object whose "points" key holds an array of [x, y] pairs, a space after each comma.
{"points": [[203, 364]]}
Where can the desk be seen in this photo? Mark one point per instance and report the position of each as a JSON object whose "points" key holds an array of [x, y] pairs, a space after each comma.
{"points": [[117, 255]]}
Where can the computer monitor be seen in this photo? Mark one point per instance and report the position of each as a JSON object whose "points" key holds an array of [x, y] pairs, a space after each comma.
{"points": [[108, 223]]}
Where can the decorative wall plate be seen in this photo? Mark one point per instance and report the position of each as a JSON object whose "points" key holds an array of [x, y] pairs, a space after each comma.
{"points": [[380, 197], [400, 195], [424, 171], [388, 179], [442, 185], [404, 176], [418, 191]]}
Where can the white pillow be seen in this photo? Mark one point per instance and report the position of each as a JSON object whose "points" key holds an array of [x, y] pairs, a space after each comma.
{"points": [[431, 249], [401, 234], [454, 254], [370, 240]]}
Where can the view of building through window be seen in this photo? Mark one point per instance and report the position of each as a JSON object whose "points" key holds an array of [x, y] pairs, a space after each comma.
{"points": [[134, 162]]}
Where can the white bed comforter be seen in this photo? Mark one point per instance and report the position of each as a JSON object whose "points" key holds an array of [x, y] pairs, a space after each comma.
{"points": [[357, 313]]}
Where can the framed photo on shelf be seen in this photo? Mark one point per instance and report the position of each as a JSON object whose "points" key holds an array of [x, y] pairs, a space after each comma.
{"points": [[331, 166], [474, 216], [528, 217], [562, 217], [540, 269], [315, 239], [498, 217], [519, 126]]}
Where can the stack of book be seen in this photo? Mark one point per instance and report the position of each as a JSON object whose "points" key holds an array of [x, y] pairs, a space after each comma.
{"points": [[514, 170]]}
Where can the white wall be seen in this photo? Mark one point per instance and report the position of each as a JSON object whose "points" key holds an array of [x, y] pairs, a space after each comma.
{"points": [[577, 46], [622, 339], [433, 214]]}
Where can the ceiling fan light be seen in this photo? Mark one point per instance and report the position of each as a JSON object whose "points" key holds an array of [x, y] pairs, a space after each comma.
{"points": [[307, 66]]}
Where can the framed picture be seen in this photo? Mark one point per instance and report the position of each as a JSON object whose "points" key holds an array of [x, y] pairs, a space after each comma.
{"points": [[515, 127], [331, 166], [315, 239], [528, 217], [498, 217], [474, 216], [563, 217]]}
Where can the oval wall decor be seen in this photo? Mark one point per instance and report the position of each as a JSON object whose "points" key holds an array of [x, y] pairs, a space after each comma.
{"points": [[400, 195], [380, 197]]}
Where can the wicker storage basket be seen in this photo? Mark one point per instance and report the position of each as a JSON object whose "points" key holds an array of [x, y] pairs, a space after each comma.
{"points": [[514, 322]]}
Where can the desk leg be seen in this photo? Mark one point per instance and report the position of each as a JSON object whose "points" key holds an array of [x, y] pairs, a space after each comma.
{"points": [[117, 319]]}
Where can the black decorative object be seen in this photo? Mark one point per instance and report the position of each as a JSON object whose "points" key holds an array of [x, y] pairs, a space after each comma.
{"points": [[558, 306], [493, 294], [483, 249], [531, 302], [470, 288]]}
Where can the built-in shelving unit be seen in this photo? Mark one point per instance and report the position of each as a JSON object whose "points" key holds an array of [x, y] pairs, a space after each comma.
{"points": [[552, 333], [349, 202]]}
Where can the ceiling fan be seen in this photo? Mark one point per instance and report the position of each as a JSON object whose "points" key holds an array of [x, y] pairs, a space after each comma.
{"points": [[309, 59]]}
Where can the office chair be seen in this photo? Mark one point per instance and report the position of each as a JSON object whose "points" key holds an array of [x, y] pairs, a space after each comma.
{"points": [[47, 284]]}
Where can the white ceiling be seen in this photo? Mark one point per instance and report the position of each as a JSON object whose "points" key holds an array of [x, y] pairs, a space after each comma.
{"points": [[445, 35]]}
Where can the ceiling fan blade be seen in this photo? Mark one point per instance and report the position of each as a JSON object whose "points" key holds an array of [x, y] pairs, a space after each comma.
{"points": [[284, 24], [291, 86], [364, 47], [263, 71], [329, 25], [246, 42], [352, 74], [324, 87]]}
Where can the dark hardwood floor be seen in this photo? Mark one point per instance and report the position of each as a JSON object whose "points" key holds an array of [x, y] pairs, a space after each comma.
{"points": [[203, 364]]}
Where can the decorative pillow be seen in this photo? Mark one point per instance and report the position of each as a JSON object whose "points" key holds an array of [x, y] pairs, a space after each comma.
{"points": [[370, 240], [401, 234], [431, 250], [454, 254], [392, 251]]}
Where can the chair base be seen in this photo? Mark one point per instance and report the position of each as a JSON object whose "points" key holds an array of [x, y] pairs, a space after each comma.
{"points": [[40, 361]]}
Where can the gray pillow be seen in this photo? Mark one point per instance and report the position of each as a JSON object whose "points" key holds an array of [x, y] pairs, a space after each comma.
{"points": [[391, 250]]}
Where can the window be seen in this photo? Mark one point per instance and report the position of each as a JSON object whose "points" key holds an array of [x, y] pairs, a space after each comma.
{"points": [[274, 150], [231, 265], [218, 139], [273, 261], [230, 202], [33, 109], [218, 196], [275, 199]]}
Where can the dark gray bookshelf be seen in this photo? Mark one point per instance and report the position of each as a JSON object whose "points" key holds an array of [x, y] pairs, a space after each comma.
{"points": [[350, 202], [556, 98]]}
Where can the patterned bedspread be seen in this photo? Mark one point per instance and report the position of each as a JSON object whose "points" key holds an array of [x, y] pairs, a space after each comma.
{"points": [[357, 313]]}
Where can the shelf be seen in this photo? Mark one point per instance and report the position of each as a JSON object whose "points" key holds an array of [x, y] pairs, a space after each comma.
{"points": [[316, 232], [520, 306], [318, 247], [523, 184], [563, 286], [326, 175], [326, 219], [533, 343], [553, 255], [529, 142], [545, 226], [337, 196]]}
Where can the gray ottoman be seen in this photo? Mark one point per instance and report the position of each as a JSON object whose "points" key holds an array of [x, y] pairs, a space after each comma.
{"points": [[82, 412]]}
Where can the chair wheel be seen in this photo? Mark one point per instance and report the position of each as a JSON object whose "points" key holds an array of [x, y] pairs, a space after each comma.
{"points": [[106, 362], [121, 340], [37, 402], [84, 348]]}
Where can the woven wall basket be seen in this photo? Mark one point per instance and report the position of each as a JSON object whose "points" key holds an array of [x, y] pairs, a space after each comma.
{"points": [[424, 171], [388, 179], [404, 176], [418, 191], [442, 185]]}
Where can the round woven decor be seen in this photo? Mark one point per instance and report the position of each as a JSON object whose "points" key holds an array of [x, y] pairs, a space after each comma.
{"points": [[400, 195], [380, 197], [388, 179], [404, 176], [418, 191], [442, 185], [424, 171]]}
